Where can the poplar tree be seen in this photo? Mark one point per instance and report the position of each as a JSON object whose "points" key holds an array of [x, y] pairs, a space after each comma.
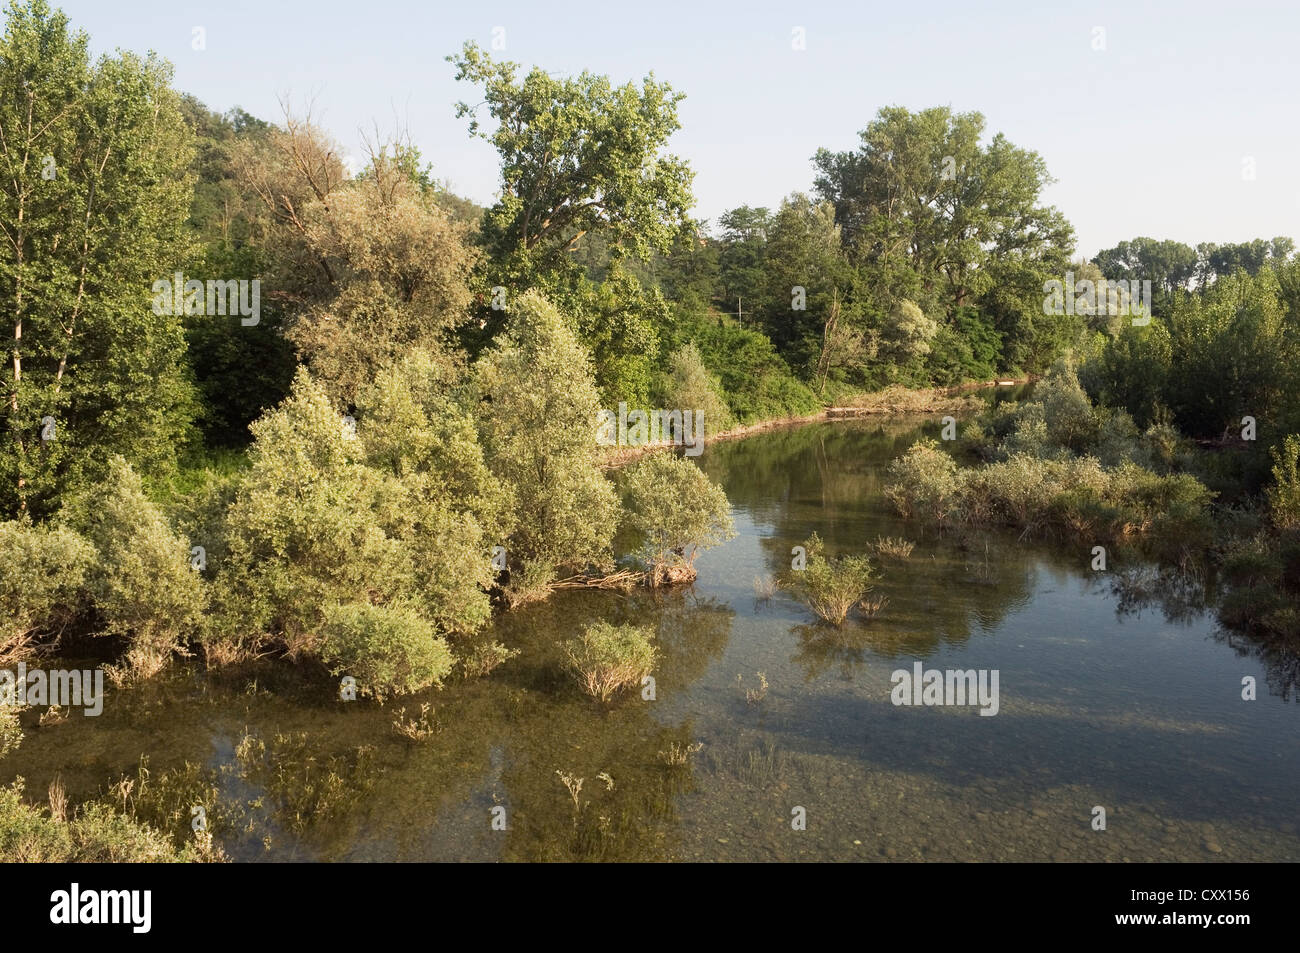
{"points": [[93, 201]]}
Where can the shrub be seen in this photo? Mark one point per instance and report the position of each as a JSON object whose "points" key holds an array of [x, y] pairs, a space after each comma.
{"points": [[389, 650], [1284, 494], [607, 658], [678, 511], [42, 571], [1067, 412], [95, 834], [830, 587], [140, 581], [925, 483], [691, 387]]}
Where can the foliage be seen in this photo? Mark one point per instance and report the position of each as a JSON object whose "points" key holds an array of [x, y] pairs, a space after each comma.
{"points": [[314, 526], [677, 510], [607, 658], [389, 650]]}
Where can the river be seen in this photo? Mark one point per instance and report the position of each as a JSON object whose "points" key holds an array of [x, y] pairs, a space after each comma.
{"points": [[1117, 691]]}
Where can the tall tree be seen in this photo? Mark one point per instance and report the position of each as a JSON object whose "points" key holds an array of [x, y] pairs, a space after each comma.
{"points": [[577, 155], [94, 197]]}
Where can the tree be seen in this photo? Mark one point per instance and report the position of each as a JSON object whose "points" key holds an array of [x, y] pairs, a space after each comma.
{"points": [[805, 273], [538, 418], [94, 197], [1169, 266], [677, 511], [578, 155], [376, 264], [922, 192]]}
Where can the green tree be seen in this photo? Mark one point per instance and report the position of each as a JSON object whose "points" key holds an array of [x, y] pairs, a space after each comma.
{"points": [[538, 418], [578, 154], [94, 198]]}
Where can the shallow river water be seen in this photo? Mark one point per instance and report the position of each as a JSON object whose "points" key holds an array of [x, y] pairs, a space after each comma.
{"points": [[1115, 691]]}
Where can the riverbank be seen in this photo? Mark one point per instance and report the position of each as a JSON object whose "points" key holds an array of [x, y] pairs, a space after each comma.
{"points": [[894, 399]]}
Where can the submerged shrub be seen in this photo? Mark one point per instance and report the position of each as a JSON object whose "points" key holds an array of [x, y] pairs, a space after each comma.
{"points": [[389, 650], [831, 587], [678, 511], [607, 658], [42, 572], [926, 483], [481, 657]]}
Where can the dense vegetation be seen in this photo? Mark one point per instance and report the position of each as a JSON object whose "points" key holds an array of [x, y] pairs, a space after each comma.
{"points": [[400, 440]]}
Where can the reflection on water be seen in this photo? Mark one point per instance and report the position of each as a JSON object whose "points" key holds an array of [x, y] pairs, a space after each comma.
{"points": [[1117, 690]]}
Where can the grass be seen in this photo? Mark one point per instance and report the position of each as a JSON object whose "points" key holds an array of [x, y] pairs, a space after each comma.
{"points": [[894, 547]]}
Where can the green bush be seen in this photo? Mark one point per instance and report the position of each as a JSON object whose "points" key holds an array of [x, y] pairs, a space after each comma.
{"points": [[389, 650], [677, 510], [607, 658], [42, 572], [140, 582], [830, 587]]}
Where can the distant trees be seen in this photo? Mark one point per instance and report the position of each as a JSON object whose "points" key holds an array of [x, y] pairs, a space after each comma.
{"points": [[1173, 266]]}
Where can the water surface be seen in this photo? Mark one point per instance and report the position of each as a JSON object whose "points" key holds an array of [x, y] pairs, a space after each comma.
{"points": [[1116, 690]]}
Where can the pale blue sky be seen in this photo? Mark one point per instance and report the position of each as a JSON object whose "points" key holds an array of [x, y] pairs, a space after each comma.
{"points": [[1147, 137]]}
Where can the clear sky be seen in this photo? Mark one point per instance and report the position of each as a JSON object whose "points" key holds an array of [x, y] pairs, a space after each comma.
{"points": [[1149, 136]]}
